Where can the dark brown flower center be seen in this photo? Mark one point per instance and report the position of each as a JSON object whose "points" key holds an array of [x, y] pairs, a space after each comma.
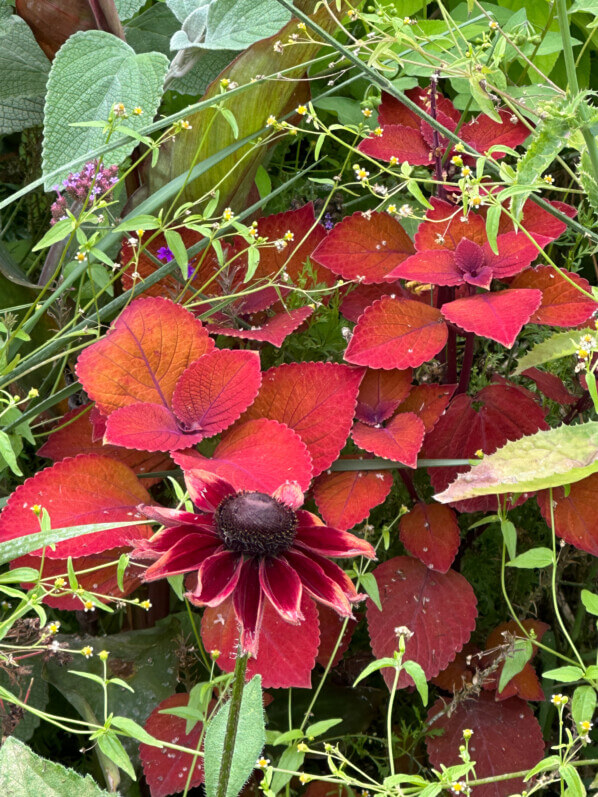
{"points": [[255, 523]]}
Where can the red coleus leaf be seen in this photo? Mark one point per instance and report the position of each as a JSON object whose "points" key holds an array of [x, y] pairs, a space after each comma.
{"points": [[75, 434], [483, 132], [575, 516], [365, 248], [166, 771], [75, 492], [330, 628], [439, 608], [459, 672], [539, 223], [525, 684], [402, 143], [562, 304], [397, 333], [143, 355], [399, 440], [484, 422], [256, 455], [209, 395], [358, 298], [380, 393], [499, 316], [428, 402], [317, 400], [280, 666], [550, 385], [506, 738], [346, 498], [102, 581], [431, 533], [445, 227], [275, 330]]}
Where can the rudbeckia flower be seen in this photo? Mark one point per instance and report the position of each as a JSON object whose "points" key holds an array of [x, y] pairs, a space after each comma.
{"points": [[254, 547]]}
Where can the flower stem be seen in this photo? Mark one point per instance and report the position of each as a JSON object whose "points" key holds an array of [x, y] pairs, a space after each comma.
{"points": [[232, 723]]}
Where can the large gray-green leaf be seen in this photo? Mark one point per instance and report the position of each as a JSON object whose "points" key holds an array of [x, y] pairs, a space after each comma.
{"points": [[127, 8], [24, 69], [546, 459], [208, 65], [251, 737], [152, 30], [24, 774], [92, 71]]}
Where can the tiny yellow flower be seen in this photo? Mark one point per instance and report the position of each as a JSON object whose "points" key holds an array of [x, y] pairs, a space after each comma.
{"points": [[467, 733], [476, 201], [586, 726], [408, 21], [493, 24], [457, 160], [225, 82], [263, 763], [351, 13], [391, 209], [138, 110], [559, 700], [361, 174], [33, 393], [302, 747], [59, 582], [80, 257], [253, 232], [459, 787], [459, 148], [302, 26], [270, 121], [103, 654], [87, 651], [227, 214], [147, 605], [36, 509], [54, 626], [289, 236], [394, 161], [215, 653], [88, 606], [367, 112], [465, 171], [139, 233], [185, 125], [119, 109], [479, 453], [304, 777], [583, 354], [378, 131], [301, 110], [548, 178]]}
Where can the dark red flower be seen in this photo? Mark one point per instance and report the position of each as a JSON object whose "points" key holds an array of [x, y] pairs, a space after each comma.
{"points": [[406, 137], [252, 546]]}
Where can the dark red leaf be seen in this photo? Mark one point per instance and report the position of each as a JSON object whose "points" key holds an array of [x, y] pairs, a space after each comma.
{"points": [[317, 400], [365, 248], [445, 227], [483, 132], [400, 142], [506, 738], [75, 492], [525, 684], [562, 304], [275, 330], [380, 393], [330, 628], [539, 223], [397, 333], [399, 440], [359, 298], [256, 455], [459, 672], [439, 608], [346, 498], [166, 771], [550, 385], [428, 402], [575, 516], [498, 316], [431, 533], [280, 666]]}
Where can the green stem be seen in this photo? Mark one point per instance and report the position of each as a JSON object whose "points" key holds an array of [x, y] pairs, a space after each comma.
{"points": [[232, 723], [393, 691]]}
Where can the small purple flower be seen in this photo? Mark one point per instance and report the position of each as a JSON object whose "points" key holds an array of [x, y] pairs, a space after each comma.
{"points": [[92, 181], [164, 254], [328, 223]]}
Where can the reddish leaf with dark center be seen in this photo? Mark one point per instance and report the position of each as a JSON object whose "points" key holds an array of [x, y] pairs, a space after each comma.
{"points": [[445, 227], [256, 455], [143, 355], [428, 402], [365, 248], [525, 684], [75, 492], [562, 304], [317, 400], [346, 498], [280, 666], [397, 333], [150, 427], [498, 316], [380, 393], [439, 608], [166, 771], [550, 385], [75, 435], [431, 533], [484, 422], [575, 516], [102, 581], [399, 440], [330, 628], [275, 330], [506, 738]]}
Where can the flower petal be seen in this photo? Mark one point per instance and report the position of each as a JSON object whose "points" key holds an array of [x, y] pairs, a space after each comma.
{"points": [[168, 537], [187, 554], [328, 541], [206, 490], [338, 575], [319, 585], [217, 578], [249, 606], [282, 586], [171, 517], [289, 493]]}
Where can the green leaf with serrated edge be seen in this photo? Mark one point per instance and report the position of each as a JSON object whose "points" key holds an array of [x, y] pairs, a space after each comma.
{"points": [[249, 742], [583, 704], [292, 760], [12, 549], [135, 730], [419, 679], [572, 778], [536, 557], [370, 585], [545, 459], [112, 748], [113, 73], [509, 535], [127, 8], [374, 666], [515, 662], [590, 601], [23, 774], [24, 69], [318, 728], [564, 675], [552, 762], [562, 344]]}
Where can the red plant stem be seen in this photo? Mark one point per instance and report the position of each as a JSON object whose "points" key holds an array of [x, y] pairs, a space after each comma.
{"points": [[408, 482], [465, 374], [436, 138], [451, 357]]}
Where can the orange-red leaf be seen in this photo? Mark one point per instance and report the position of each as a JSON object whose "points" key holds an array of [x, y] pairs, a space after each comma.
{"points": [[431, 533], [345, 498]]}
